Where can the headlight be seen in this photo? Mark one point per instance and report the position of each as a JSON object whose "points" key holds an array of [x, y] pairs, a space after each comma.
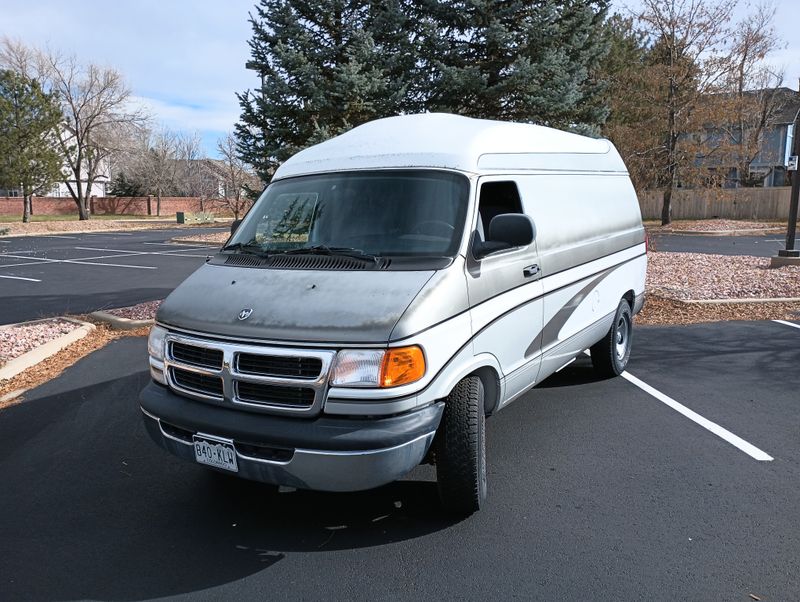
{"points": [[378, 368], [155, 343]]}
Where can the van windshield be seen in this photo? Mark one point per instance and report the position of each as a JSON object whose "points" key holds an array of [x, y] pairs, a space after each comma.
{"points": [[388, 213]]}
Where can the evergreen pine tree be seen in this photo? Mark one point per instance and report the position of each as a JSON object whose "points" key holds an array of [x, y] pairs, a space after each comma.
{"points": [[516, 60], [326, 66], [28, 122]]}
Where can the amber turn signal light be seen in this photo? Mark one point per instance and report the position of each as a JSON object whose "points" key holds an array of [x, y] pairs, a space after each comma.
{"points": [[402, 365]]}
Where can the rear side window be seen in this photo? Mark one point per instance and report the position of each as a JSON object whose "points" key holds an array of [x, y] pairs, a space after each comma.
{"points": [[496, 198]]}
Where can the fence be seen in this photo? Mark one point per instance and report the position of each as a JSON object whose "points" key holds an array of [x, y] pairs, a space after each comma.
{"points": [[114, 206], [734, 203]]}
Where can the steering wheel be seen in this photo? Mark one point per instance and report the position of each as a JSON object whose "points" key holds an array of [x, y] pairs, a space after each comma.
{"points": [[434, 227]]}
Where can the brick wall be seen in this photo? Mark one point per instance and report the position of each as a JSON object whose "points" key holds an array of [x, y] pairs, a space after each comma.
{"points": [[112, 206]]}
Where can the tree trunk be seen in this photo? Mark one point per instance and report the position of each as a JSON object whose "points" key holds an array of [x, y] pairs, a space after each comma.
{"points": [[158, 203], [26, 209], [666, 207], [83, 210]]}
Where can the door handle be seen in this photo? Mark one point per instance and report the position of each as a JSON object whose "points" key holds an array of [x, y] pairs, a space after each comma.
{"points": [[531, 270]]}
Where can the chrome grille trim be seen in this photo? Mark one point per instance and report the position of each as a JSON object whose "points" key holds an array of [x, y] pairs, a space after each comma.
{"points": [[230, 375]]}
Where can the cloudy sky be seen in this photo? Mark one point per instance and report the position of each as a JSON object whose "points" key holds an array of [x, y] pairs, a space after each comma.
{"points": [[184, 59]]}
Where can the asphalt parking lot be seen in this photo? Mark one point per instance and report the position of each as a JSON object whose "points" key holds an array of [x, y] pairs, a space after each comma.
{"points": [[766, 245], [42, 276], [677, 483]]}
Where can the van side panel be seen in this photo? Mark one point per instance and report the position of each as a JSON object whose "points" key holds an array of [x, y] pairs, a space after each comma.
{"points": [[580, 217], [580, 314]]}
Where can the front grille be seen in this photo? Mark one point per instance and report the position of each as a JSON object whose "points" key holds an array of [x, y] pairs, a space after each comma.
{"points": [[274, 395], [194, 355], [257, 378], [199, 383], [275, 365]]}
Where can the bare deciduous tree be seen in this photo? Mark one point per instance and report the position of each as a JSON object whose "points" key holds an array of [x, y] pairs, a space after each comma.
{"points": [[238, 180], [691, 60], [751, 99], [96, 105], [193, 178]]}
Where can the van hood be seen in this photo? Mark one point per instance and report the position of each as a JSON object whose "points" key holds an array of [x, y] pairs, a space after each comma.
{"points": [[293, 305]]}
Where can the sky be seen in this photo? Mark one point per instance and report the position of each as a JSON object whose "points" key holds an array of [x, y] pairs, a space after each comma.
{"points": [[184, 59]]}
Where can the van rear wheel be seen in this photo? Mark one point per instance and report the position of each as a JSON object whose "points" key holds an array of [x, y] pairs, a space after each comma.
{"points": [[460, 449], [610, 354]]}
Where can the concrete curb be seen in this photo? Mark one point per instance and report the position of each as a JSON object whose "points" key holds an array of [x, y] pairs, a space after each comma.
{"points": [[190, 241], [119, 323], [12, 396], [42, 352], [159, 225], [734, 301], [750, 232]]}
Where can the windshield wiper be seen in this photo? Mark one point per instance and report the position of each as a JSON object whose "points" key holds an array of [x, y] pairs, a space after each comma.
{"points": [[251, 248], [326, 250]]}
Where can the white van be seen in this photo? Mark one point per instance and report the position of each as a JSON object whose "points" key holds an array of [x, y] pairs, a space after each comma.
{"points": [[390, 289]]}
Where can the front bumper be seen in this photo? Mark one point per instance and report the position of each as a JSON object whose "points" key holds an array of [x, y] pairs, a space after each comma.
{"points": [[325, 454]]}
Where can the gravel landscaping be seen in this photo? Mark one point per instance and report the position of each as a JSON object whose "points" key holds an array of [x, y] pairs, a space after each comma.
{"points": [[17, 340], [698, 276], [142, 311], [214, 238]]}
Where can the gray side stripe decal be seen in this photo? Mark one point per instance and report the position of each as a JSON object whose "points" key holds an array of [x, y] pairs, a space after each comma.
{"points": [[549, 334]]}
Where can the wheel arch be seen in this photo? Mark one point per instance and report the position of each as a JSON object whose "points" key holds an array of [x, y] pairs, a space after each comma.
{"points": [[630, 297], [486, 367]]}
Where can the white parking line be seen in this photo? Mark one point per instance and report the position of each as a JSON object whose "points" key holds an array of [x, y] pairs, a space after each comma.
{"points": [[84, 260], [787, 323], [58, 236], [16, 265], [175, 253], [723, 433], [39, 259], [107, 234], [20, 278], [173, 245], [748, 448], [113, 265]]}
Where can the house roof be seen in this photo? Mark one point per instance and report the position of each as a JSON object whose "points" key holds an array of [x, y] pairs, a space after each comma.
{"points": [[788, 105], [441, 140]]}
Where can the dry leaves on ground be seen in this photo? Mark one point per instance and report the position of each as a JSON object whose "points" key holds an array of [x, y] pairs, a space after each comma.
{"points": [[702, 276], [663, 312]]}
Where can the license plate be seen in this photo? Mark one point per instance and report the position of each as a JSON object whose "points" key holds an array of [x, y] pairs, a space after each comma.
{"points": [[215, 453]]}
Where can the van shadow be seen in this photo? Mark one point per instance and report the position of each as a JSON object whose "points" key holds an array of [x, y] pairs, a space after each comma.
{"points": [[100, 512], [579, 372]]}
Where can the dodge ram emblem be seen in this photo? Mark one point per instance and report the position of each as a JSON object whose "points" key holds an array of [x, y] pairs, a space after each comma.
{"points": [[245, 313]]}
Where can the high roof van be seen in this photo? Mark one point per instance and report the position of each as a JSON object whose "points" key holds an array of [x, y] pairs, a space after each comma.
{"points": [[391, 289]]}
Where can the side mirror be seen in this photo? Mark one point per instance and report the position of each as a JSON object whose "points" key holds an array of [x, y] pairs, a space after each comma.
{"points": [[515, 229], [235, 225], [506, 231]]}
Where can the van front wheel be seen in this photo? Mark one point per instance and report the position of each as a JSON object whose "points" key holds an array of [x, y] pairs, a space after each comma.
{"points": [[610, 354], [460, 449]]}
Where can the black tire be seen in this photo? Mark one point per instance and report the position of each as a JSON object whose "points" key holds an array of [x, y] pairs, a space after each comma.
{"points": [[460, 449], [610, 354]]}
